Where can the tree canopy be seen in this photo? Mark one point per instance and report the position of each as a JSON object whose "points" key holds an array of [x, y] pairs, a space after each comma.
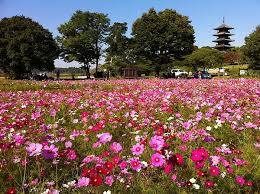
{"points": [[25, 46], [252, 48], [117, 40], [82, 38], [204, 57], [162, 37]]}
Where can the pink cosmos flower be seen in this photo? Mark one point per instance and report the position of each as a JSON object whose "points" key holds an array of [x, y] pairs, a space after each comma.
{"points": [[215, 160], [68, 144], [104, 137], [83, 182], [50, 152], [137, 149], [240, 180], [96, 144], [135, 164], [116, 147], [214, 171], [174, 177], [109, 180], [88, 159], [157, 160], [19, 139], [157, 142], [187, 124], [183, 148], [34, 149]]}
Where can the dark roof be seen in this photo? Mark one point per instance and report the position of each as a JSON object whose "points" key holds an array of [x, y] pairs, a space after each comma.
{"points": [[223, 39], [223, 33], [223, 46], [223, 26]]}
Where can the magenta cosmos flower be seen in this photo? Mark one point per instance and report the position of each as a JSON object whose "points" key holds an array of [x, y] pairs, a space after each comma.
{"points": [[71, 154], [214, 171], [135, 164], [123, 165], [34, 149], [240, 180], [50, 152], [116, 147], [156, 142], [157, 160], [137, 149], [199, 155]]}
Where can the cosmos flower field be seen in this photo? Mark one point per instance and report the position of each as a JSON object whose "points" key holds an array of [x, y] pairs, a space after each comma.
{"points": [[130, 136]]}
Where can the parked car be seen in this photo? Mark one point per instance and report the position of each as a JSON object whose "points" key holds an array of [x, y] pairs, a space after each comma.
{"points": [[202, 75], [179, 73]]}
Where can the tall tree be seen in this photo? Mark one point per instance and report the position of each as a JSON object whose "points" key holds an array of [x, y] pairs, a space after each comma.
{"points": [[252, 48], [117, 40], [205, 57], [25, 46], [118, 47], [83, 37], [162, 37]]}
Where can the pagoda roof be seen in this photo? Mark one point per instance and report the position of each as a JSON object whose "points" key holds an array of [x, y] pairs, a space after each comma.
{"points": [[223, 33], [223, 46], [224, 26], [223, 39]]}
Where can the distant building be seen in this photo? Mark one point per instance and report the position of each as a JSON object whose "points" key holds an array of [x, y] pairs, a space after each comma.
{"points": [[223, 37]]}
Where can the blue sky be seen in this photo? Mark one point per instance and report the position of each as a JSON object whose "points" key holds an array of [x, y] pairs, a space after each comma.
{"points": [[243, 15]]}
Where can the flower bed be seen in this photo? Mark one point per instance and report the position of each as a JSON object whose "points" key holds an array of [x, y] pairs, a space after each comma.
{"points": [[135, 136]]}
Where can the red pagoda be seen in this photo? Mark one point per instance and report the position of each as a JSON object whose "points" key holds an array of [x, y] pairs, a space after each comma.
{"points": [[223, 37]]}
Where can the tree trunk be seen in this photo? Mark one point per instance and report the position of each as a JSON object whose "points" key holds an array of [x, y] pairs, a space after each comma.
{"points": [[97, 56], [87, 73], [97, 60]]}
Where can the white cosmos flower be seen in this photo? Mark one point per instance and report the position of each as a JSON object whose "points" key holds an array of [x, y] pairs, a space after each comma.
{"points": [[223, 174], [170, 118], [193, 180], [196, 186], [107, 192], [208, 128]]}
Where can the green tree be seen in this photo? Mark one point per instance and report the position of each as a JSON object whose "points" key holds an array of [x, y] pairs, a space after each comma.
{"points": [[120, 51], [204, 57], [117, 40], [25, 46], [252, 48], [83, 37], [162, 37]]}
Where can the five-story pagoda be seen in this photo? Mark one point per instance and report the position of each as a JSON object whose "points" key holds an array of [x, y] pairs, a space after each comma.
{"points": [[223, 37]]}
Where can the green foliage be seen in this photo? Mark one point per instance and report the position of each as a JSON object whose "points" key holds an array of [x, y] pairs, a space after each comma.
{"points": [[25, 46], [205, 57], [117, 40], [252, 48], [83, 37], [119, 52], [162, 37]]}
